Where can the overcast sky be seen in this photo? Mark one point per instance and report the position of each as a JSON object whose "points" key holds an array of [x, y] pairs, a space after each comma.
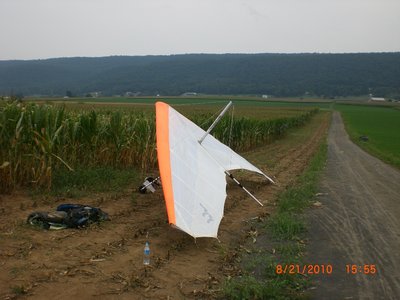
{"points": [[31, 29]]}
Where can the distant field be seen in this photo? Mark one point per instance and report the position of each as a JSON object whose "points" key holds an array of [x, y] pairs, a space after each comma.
{"points": [[210, 100], [380, 124], [241, 109]]}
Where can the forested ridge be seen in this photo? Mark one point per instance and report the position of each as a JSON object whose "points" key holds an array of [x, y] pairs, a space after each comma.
{"points": [[236, 74]]}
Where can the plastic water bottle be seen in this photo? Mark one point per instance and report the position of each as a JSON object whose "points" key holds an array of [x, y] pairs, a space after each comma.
{"points": [[146, 254]]}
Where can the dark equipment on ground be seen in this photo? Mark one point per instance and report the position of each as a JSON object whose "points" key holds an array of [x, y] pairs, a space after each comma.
{"points": [[149, 185], [68, 216]]}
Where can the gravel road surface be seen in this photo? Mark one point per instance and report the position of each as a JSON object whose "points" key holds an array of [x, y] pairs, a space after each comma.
{"points": [[357, 224]]}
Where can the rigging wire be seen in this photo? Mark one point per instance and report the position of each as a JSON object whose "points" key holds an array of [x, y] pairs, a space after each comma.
{"points": [[230, 134], [212, 117], [231, 127]]}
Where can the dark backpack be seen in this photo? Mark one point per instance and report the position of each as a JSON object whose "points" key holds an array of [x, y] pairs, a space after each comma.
{"points": [[68, 216]]}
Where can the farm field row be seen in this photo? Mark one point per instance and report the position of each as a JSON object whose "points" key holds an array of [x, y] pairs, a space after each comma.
{"points": [[39, 140]]}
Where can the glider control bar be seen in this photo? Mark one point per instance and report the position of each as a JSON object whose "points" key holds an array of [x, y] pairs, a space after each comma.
{"points": [[243, 188]]}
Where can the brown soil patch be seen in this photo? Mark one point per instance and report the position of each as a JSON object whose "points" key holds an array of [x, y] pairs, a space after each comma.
{"points": [[106, 260]]}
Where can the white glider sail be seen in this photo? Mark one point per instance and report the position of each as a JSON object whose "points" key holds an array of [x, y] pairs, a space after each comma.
{"points": [[193, 174]]}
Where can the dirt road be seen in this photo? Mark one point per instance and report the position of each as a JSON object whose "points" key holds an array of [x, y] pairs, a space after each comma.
{"points": [[357, 224]]}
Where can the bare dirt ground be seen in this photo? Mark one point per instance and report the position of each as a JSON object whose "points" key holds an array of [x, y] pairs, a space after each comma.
{"points": [[358, 223], [106, 261]]}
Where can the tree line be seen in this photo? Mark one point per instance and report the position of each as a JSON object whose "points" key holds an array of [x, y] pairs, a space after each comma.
{"points": [[280, 75]]}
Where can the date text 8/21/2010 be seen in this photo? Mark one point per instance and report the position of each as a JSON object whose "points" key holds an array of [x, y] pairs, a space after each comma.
{"points": [[316, 269]]}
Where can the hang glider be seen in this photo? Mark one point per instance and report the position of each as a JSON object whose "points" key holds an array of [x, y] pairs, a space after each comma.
{"points": [[193, 167]]}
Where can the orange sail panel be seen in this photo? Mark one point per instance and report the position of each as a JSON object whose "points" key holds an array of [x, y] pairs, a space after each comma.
{"points": [[163, 155]]}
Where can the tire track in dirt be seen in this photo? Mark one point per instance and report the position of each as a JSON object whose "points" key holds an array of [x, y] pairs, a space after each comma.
{"points": [[290, 163], [300, 154], [357, 224]]}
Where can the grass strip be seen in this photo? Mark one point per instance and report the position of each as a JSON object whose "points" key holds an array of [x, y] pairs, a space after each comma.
{"points": [[279, 242]]}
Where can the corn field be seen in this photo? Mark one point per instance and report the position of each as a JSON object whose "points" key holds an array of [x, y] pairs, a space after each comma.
{"points": [[36, 139]]}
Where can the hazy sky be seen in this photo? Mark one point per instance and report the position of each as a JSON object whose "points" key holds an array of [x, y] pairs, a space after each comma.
{"points": [[57, 28]]}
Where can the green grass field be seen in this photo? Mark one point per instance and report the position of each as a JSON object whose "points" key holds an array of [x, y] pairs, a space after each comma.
{"points": [[380, 124]]}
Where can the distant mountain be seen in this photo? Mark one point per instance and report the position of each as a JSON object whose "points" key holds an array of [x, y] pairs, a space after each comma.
{"points": [[250, 74]]}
